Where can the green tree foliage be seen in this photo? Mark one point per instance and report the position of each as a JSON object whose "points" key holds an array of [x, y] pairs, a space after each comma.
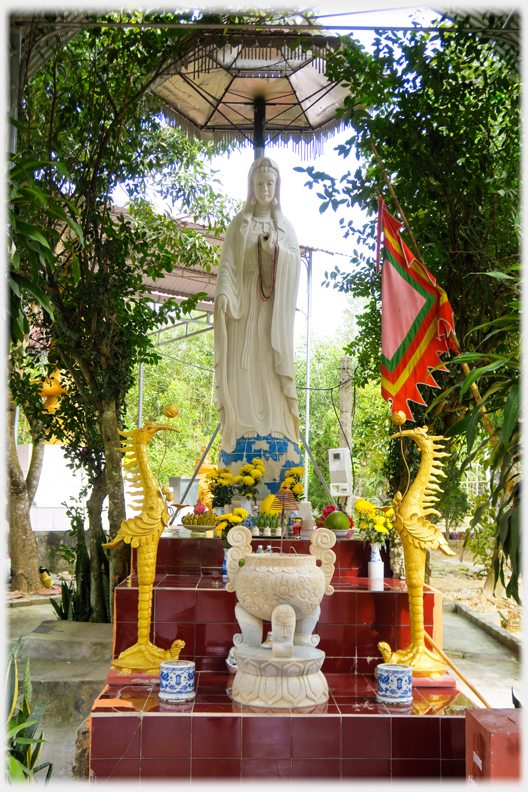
{"points": [[183, 376], [443, 111], [496, 362], [454, 503], [370, 424], [371, 428], [324, 427], [89, 109], [30, 245]]}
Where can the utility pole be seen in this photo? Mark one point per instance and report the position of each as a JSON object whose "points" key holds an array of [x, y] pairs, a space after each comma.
{"points": [[345, 416]]}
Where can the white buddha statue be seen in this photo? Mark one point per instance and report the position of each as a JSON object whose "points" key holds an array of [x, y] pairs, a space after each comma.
{"points": [[254, 309]]}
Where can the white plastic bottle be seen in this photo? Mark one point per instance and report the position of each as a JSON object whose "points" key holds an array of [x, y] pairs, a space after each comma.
{"points": [[260, 549]]}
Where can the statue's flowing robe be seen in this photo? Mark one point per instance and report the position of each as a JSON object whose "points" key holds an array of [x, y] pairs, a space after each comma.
{"points": [[254, 363]]}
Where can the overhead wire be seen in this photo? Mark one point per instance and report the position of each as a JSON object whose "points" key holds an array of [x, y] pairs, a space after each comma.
{"points": [[331, 389]]}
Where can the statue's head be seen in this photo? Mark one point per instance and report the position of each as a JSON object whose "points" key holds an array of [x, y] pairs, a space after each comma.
{"points": [[263, 183]]}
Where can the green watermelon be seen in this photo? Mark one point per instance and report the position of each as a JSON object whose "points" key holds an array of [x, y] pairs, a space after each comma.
{"points": [[337, 521]]}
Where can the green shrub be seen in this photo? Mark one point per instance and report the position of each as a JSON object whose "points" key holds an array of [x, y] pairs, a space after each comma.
{"points": [[22, 747]]}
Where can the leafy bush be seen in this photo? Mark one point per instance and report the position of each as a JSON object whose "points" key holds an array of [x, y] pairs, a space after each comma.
{"points": [[480, 540], [76, 597], [22, 747], [64, 610]]}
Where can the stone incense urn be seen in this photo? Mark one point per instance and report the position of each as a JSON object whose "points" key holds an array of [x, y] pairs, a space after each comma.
{"points": [[286, 589]]}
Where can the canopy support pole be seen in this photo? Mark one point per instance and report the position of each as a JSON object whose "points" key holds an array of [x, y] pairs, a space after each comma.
{"points": [[316, 468], [308, 357], [259, 126]]}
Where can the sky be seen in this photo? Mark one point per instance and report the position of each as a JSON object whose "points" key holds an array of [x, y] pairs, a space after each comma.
{"points": [[300, 204]]}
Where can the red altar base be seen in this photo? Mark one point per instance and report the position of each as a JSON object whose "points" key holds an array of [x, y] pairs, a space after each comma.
{"points": [[135, 735]]}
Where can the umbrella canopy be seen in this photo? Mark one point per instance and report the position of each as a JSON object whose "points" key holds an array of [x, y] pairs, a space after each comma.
{"points": [[264, 89]]}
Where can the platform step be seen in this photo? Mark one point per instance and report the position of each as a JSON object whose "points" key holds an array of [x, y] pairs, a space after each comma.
{"points": [[68, 687], [67, 640]]}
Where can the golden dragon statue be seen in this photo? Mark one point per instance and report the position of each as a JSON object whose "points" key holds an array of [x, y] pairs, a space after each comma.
{"points": [[143, 532], [418, 535]]}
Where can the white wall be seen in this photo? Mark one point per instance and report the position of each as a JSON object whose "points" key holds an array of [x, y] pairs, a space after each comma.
{"points": [[57, 484]]}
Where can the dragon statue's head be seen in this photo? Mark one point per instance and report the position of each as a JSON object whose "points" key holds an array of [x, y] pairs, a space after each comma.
{"points": [[149, 429], [417, 431]]}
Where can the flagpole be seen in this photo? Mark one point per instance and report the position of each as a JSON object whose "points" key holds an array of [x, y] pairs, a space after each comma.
{"points": [[474, 389], [398, 207]]}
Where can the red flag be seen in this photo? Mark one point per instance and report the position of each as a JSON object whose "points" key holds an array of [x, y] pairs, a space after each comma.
{"points": [[416, 319]]}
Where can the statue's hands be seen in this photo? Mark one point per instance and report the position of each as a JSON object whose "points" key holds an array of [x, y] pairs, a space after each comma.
{"points": [[221, 303], [268, 242]]}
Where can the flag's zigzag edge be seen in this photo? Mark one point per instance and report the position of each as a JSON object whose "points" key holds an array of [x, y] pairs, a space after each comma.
{"points": [[405, 257]]}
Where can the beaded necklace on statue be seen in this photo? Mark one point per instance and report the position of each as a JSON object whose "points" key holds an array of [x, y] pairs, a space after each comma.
{"points": [[273, 265], [265, 225]]}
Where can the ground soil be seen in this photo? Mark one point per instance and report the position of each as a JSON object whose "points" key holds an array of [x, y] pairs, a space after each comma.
{"points": [[461, 580]]}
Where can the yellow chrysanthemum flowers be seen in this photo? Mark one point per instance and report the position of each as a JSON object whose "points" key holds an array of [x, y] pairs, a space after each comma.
{"points": [[362, 505], [374, 524], [299, 471]]}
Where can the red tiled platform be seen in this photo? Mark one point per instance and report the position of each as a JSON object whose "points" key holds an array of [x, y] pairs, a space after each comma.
{"points": [[182, 556], [351, 736], [186, 606]]}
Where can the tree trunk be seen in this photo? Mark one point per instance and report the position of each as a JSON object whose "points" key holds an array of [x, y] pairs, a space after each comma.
{"points": [[22, 542], [94, 506], [427, 567], [345, 415], [396, 555], [108, 426]]}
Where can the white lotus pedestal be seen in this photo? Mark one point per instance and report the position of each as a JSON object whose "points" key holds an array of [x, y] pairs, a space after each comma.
{"points": [[266, 681], [287, 590]]}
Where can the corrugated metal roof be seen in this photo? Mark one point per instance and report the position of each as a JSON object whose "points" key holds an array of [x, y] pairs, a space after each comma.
{"points": [[188, 281]]}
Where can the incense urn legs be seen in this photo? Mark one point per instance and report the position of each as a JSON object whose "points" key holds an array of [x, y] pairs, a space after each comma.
{"points": [[287, 591], [287, 630]]}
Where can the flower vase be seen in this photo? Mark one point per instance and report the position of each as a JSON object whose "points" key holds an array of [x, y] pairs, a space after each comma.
{"points": [[247, 505], [224, 565], [375, 565]]}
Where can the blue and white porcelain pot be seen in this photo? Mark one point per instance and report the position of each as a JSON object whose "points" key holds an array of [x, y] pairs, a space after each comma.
{"points": [[394, 683], [177, 680]]}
